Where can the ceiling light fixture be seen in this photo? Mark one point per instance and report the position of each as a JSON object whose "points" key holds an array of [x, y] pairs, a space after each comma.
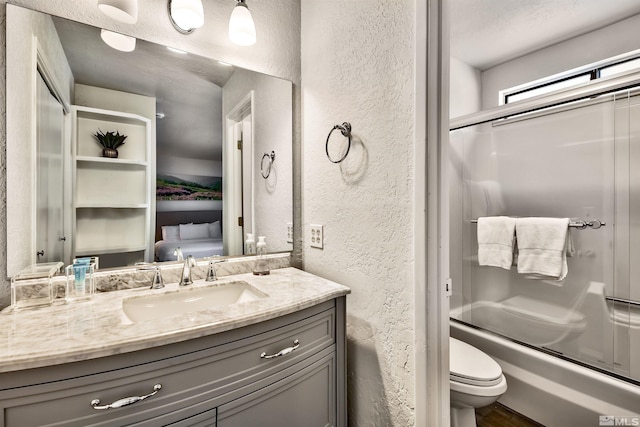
{"points": [[186, 15], [242, 30], [123, 10], [118, 41]]}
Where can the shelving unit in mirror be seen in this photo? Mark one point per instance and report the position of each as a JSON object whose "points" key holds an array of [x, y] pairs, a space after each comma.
{"points": [[112, 196]]}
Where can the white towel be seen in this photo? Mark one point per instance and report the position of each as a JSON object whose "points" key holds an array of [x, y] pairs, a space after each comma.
{"points": [[495, 241], [542, 246]]}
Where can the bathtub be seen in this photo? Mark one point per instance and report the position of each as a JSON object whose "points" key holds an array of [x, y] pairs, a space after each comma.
{"points": [[551, 390]]}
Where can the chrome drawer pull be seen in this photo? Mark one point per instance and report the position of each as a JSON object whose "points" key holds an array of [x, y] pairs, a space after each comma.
{"points": [[126, 401], [282, 352]]}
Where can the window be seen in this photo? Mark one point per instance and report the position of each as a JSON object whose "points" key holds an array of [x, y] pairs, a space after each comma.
{"points": [[602, 69]]}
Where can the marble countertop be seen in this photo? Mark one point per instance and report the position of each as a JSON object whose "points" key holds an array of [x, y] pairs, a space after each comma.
{"points": [[84, 330]]}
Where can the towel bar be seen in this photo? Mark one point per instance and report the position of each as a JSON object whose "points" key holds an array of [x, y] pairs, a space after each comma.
{"points": [[580, 224]]}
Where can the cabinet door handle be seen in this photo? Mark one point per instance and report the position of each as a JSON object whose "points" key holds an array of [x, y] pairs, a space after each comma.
{"points": [[282, 352], [125, 401]]}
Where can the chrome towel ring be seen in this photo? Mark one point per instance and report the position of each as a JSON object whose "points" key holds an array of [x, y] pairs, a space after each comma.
{"points": [[270, 158], [345, 129]]}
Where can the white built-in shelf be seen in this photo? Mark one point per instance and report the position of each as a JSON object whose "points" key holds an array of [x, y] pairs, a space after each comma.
{"points": [[111, 161], [112, 206], [104, 250], [112, 197]]}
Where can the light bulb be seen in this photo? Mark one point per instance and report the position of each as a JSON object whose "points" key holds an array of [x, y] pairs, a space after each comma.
{"points": [[242, 30], [187, 14], [118, 41]]}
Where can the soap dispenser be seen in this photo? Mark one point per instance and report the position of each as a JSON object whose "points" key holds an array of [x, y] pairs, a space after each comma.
{"points": [[262, 267], [249, 245]]}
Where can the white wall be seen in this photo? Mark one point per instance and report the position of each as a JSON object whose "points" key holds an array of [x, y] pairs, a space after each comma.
{"points": [[272, 131], [277, 52], [465, 88], [28, 32], [358, 66], [604, 43]]}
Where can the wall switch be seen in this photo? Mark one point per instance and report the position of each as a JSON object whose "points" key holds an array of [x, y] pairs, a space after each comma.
{"points": [[317, 236], [289, 232]]}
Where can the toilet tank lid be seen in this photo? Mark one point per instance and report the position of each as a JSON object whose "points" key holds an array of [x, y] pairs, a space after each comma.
{"points": [[468, 363]]}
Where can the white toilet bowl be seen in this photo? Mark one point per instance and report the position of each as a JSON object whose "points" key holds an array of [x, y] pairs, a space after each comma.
{"points": [[475, 380]]}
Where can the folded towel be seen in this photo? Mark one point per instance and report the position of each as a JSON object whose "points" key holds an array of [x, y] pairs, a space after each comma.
{"points": [[542, 246], [495, 241]]}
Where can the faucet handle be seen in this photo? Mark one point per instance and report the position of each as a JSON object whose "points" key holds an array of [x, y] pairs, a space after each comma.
{"points": [[158, 281], [211, 272]]}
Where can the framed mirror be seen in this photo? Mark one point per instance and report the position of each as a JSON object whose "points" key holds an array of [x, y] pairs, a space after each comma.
{"points": [[207, 157]]}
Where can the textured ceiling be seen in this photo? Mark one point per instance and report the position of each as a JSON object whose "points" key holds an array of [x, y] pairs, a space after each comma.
{"points": [[485, 33]]}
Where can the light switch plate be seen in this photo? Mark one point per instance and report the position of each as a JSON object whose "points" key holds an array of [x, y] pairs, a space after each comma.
{"points": [[317, 236], [289, 232]]}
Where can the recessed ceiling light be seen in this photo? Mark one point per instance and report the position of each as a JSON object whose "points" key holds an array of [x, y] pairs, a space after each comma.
{"points": [[180, 51]]}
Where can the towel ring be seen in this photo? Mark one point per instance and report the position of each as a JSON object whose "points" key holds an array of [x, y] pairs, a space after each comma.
{"points": [[345, 129], [270, 158]]}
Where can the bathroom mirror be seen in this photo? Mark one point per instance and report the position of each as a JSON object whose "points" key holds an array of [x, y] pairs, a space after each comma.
{"points": [[200, 135]]}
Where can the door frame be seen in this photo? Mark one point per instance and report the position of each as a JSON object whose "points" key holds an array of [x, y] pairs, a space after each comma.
{"points": [[233, 239], [431, 245]]}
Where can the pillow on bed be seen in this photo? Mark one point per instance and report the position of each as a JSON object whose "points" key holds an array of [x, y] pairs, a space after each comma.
{"points": [[170, 233], [214, 230], [194, 231]]}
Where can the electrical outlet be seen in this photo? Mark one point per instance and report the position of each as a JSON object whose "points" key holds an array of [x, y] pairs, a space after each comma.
{"points": [[289, 232], [317, 236]]}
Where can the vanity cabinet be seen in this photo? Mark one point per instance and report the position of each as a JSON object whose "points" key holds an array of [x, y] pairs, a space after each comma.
{"points": [[221, 379], [112, 196]]}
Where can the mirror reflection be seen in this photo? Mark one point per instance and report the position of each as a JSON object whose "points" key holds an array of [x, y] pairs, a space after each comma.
{"points": [[191, 177]]}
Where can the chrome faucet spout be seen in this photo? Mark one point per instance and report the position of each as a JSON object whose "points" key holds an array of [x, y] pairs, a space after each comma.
{"points": [[185, 277], [178, 254]]}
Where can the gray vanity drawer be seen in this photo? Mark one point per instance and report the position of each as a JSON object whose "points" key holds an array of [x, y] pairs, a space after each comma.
{"points": [[197, 380]]}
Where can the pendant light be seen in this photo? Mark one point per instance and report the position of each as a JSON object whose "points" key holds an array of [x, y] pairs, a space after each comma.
{"points": [[118, 41], [186, 15], [242, 30], [122, 10]]}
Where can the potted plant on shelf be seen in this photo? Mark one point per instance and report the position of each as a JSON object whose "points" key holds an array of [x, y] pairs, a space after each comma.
{"points": [[110, 141]]}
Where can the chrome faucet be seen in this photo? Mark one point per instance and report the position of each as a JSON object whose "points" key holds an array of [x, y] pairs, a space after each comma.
{"points": [[211, 273], [157, 282], [178, 254], [185, 277]]}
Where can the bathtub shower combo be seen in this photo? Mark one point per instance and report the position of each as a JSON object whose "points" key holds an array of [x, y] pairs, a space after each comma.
{"points": [[570, 349]]}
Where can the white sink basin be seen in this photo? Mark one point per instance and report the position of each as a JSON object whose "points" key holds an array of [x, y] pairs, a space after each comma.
{"points": [[189, 300]]}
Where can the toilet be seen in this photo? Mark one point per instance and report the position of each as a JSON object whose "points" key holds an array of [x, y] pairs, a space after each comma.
{"points": [[475, 381]]}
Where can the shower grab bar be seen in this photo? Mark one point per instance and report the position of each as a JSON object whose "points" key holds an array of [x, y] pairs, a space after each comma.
{"points": [[580, 224]]}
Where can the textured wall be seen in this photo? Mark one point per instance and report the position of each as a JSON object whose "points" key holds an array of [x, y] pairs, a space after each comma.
{"points": [[358, 66], [277, 52], [272, 131]]}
